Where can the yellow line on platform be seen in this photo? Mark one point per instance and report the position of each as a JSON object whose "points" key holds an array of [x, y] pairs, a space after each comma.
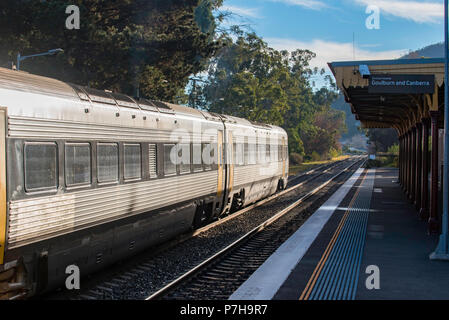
{"points": [[312, 281]]}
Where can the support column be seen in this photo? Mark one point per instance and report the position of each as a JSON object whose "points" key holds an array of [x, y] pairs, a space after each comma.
{"points": [[401, 153], [402, 161], [404, 187], [413, 165], [409, 163], [424, 211], [433, 214], [442, 250], [418, 166]]}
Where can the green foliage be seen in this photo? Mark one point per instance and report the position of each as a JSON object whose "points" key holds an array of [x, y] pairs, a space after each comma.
{"points": [[352, 125], [394, 149], [315, 156], [249, 79], [295, 143], [383, 138], [334, 153], [153, 47], [121, 45], [296, 158], [383, 161]]}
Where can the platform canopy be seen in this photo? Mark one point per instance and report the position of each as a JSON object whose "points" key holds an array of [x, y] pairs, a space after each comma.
{"points": [[391, 93]]}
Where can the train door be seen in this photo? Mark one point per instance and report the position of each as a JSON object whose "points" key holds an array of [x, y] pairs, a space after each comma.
{"points": [[221, 171], [2, 184], [284, 158], [230, 163], [229, 172], [226, 170]]}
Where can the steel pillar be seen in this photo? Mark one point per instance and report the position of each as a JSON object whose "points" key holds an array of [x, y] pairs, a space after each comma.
{"points": [[424, 211], [403, 162], [442, 250], [433, 214], [401, 151], [409, 163], [418, 166], [404, 187], [413, 165]]}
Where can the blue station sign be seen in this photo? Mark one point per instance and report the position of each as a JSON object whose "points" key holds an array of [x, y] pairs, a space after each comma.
{"points": [[401, 84]]}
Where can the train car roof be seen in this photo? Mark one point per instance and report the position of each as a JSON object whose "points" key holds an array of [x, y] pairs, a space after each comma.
{"points": [[26, 82]]}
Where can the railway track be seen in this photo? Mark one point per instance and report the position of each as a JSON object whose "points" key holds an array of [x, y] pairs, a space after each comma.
{"points": [[219, 276], [167, 265]]}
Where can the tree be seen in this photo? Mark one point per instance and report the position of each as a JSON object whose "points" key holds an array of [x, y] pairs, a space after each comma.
{"points": [[251, 80], [383, 138], [121, 45]]}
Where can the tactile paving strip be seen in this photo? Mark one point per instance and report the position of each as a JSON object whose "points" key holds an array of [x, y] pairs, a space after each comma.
{"points": [[337, 273]]}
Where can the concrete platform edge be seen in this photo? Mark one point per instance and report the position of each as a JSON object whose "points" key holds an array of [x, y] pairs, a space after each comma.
{"points": [[264, 283]]}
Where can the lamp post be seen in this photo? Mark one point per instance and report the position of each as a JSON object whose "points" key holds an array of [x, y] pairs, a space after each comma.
{"points": [[442, 250], [48, 53], [194, 99]]}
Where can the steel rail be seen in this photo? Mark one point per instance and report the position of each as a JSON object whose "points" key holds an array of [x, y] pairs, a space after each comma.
{"points": [[231, 216], [254, 231]]}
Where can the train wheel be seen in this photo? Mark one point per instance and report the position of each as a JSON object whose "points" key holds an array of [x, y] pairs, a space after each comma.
{"points": [[281, 185], [202, 216], [237, 201]]}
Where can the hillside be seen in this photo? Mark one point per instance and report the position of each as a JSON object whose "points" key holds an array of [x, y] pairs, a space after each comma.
{"points": [[433, 51], [353, 137]]}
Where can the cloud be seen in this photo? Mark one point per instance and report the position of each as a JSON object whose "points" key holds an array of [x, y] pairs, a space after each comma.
{"points": [[241, 11], [421, 12], [328, 51], [310, 4]]}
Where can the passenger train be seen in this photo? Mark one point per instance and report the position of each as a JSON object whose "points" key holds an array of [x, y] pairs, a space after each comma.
{"points": [[89, 177]]}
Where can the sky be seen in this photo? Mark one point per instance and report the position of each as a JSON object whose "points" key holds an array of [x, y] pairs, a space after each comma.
{"points": [[329, 27]]}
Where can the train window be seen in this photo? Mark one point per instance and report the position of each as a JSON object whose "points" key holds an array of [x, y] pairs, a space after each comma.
{"points": [[235, 154], [152, 155], [245, 153], [169, 165], [252, 153], [260, 153], [208, 156], [41, 166], [77, 164], [184, 157], [239, 155], [197, 158], [107, 162], [274, 152], [268, 153], [133, 161]]}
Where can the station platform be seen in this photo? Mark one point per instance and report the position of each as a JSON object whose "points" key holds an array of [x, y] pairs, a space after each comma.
{"points": [[365, 243]]}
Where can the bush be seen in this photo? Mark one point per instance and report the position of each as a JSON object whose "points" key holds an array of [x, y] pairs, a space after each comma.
{"points": [[315, 156], [334, 153], [383, 161], [296, 158], [394, 149], [373, 163]]}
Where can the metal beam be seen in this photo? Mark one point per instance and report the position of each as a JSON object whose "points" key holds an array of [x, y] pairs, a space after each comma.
{"points": [[442, 250], [424, 211], [433, 218]]}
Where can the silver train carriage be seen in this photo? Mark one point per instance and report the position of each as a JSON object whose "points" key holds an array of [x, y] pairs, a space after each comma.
{"points": [[88, 177]]}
